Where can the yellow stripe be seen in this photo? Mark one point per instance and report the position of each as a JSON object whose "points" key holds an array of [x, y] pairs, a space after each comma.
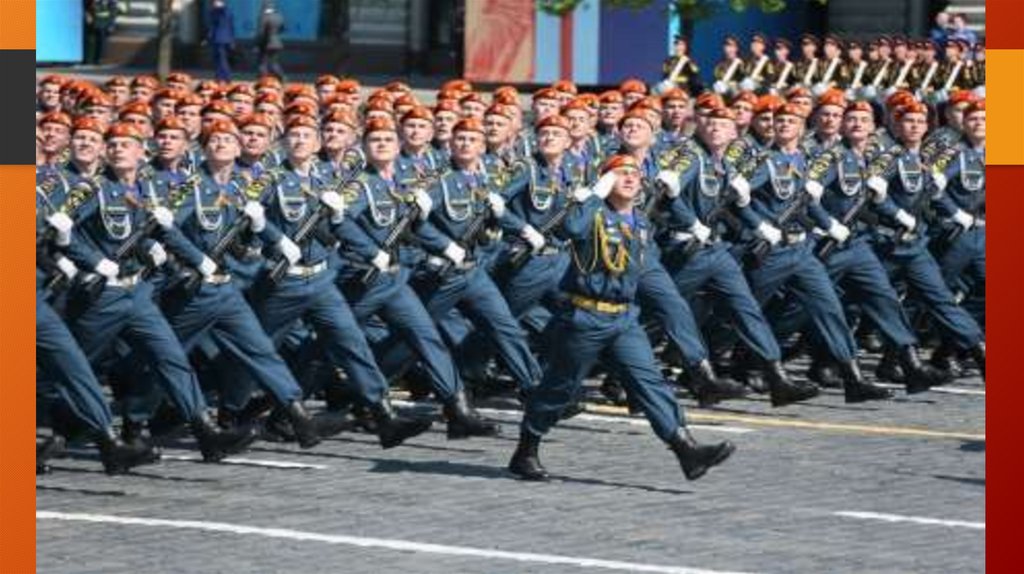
{"points": [[815, 425]]}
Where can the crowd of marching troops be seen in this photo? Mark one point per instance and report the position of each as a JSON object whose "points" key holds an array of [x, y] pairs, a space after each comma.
{"points": [[218, 253]]}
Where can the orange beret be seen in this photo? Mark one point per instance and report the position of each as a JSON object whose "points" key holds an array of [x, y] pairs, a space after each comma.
{"points": [[418, 113], [961, 97], [123, 130], [832, 98], [898, 99], [545, 94], [468, 125], [89, 125], [167, 94], [256, 119], [722, 113], [565, 86], [54, 79], [976, 107], [189, 100], [345, 117], [790, 109], [270, 98], [146, 80], [346, 87], [611, 97], [207, 86], [619, 161], [114, 81], [405, 100], [592, 101], [458, 85], [98, 99], [300, 91], [767, 104], [444, 95], [170, 123], [709, 100], [242, 89], [912, 107], [500, 110], [553, 121], [506, 97], [268, 81], [506, 90], [300, 109], [397, 86], [301, 121], [446, 106], [326, 79], [634, 86], [638, 113], [674, 95], [653, 102], [378, 125], [576, 105], [220, 127], [179, 78], [135, 109], [379, 105], [219, 107], [798, 92], [859, 106], [472, 97], [746, 97]]}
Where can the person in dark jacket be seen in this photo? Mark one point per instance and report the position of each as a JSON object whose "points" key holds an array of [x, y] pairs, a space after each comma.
{"points": [[269, 41], [220, 35]]}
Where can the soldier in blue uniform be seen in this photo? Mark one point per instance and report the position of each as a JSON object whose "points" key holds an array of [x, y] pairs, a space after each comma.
{"points": [[836, 180], [910, 186], [307, 291], [699, 258], [376, 204], [608, 235], [418, 160], [341, 158], [788, 262], [124, 304]]}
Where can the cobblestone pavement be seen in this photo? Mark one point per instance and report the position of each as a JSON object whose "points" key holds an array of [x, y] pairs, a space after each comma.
{"points": [[820, 487]]}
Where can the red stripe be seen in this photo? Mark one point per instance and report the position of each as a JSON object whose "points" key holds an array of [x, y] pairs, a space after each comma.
{"points": [[565, 47]]}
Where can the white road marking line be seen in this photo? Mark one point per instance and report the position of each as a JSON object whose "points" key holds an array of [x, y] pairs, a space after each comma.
{"points": [[944, 390], [597, 418], [385, 543], [913, 519], [248, 462]]}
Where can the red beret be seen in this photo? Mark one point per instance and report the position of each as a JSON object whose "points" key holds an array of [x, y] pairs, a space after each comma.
{"points": [[506, 97], [545, 94], [767, 104], [745, 96], [911, 107], [458, 85], [675, 95], [300, 109], [468, 125], [709, 100], [898, 98], [446, 106], [633, 85], [721, 113], [961, 97], [219, 107], [219, 127], [268, 81], [418, 113], [146, 80], [565, 86], [798, 92], [301, 121], [341, 117], [89, 124], [859, 106], [179, 78], [256, 119], [135, 109], [170, 123], [397, 86], [638, 113], [326, 79], [114, 81], [472, 97], [976, 107], [378, 125], [832, 98], [576, 104], [619, 161], [189, 100], [552, 121], [790, 109], [241, 89], [500, 110], [123, 130]]}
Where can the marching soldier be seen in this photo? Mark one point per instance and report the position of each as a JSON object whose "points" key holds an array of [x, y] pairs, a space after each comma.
{"points": [[828, 121], [853, 74], [784, 67], [903, 62], [807, 69], [759, 66], [831, 64], [679, 70], [924, 76], [954, 71], [729, 70], [608, 235]]}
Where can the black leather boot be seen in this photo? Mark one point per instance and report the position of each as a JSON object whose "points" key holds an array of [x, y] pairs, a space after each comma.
{"points": [[708, 389], [945, 359], [978, 354], [214, 443], [785, 391], [525, 461], [393, 429], [463, 421], [870, 340], [309, 429], [46, 450], [919, 377], [823, 372], [118, 457], [890, 368], [696, 459], [612, 390], [856, 389]]}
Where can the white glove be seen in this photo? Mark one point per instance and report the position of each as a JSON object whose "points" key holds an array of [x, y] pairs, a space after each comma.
{"points": [[880, 187], [940, 180], [870, 92], [382, 261], [963, 219], [580, 194], [336, 203], [838, 231], [663, 86], [107, 268], [67, 267], [671, 181], [455, 253], [906, 220], [819, 89], [534, 238], [979, 91], [157, 254], [940, 95], [423, 202], [604, 185], [742, 187], [888, 92], [814, 189], [769, 233], [163, 216], [257, 217], [208, 267], [720, 87], [496, 203], [748, 85], [700, 231], [62, 224], [290, 251]]}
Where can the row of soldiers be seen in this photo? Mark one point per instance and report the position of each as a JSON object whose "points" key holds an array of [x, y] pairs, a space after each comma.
{"points": [[865, 70], [255, 245]]}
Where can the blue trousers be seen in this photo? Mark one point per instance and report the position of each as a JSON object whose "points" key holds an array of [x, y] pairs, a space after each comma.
{"points": [[715, 269], [64, 364], [659, 297], [580, 338], [393, 301], [317, 301], [796, 269], [478, 299], [221, 313], [132, 314], [220, 60], [915, 265], [963, 268]]}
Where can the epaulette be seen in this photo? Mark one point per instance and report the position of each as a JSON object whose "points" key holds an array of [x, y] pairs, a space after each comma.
{"points": [[77, 195], [177, 194], [821, 162]]}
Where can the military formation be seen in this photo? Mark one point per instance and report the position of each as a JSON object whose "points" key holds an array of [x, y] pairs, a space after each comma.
{"points": [[210, 255]]}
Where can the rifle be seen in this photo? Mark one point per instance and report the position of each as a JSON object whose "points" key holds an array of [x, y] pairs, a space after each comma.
{"points": [[303, 234], [761, 247], [521, 251], [956, 230], [393, 237], [467, 239], [828, 246], [92, 286]]}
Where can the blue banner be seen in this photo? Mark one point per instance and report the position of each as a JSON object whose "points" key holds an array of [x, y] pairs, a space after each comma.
{"points": [[301, 18], [59, 26]]}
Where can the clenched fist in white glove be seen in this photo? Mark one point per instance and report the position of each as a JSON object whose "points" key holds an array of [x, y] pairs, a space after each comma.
{"points": [[382, 261], [700, 231], [534, 238], [963, 219], [742, 187], [336, 203], [107, 268], [163, 216], [256, 214], [769, 233], [289, 250], [62, 224], [671, 181], [838, 231], [814, 189], [906, 220], [207, 267], [580, 194], [423, 202], [880, 187], [604, 184], [455, 253], [496, 203], [157, 254]]}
